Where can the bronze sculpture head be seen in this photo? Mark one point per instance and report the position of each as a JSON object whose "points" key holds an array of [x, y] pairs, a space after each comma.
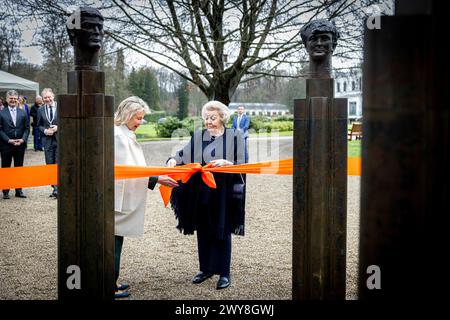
{"points": [[87, 38], [320, 39]]}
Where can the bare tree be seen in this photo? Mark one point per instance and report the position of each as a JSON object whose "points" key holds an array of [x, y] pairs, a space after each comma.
{"points": [[55, 46], [218, 44], [9, 49]]}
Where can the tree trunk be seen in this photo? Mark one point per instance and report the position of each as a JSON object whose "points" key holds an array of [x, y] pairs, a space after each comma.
{"points": [[221, 92]]}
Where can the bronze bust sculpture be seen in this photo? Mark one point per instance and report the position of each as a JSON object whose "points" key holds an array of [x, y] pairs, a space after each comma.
{"points": [[320, 39], [87, 39]]}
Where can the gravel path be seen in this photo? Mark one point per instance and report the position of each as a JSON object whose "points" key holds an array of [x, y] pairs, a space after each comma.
{"points": [[161, 264]]}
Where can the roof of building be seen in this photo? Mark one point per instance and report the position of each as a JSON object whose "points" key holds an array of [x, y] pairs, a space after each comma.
{"points": [[258, 106]]}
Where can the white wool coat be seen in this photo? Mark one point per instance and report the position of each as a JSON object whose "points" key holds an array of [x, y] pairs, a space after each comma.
{"points": [[130, 194]]}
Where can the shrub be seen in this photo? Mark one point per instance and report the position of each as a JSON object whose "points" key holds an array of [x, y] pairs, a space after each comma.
{"points": [[288, 117], [166, 128], [192, 124], [282, 125]]}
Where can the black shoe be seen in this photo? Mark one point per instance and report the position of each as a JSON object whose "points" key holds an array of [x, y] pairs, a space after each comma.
{"points": [[5, 196], [20, 195], [224, 282], [200, 277]]}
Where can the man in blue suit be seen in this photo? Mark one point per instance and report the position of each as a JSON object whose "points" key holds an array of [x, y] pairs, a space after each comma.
{"points": [[242, 123], [14, 130]]}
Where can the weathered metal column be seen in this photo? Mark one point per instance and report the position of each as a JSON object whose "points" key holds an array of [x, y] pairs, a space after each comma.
{"points": [[405, 168], [86, 173], [320, 178]]}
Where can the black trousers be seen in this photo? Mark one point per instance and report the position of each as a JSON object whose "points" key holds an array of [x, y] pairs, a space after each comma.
{"points": [[13, 153], [118, 243], [214, 254], [51, 154]]}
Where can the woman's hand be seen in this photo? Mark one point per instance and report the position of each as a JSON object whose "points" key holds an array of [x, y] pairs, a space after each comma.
{"points": [[167, 181], [221, 163], [171, 163]]}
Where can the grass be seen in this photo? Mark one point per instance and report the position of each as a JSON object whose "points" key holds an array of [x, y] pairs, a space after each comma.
{"points": [[354, 148], [147, 130], [265, 134]]}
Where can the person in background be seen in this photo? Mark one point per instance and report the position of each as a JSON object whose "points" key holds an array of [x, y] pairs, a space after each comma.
{"points": [[242, 123], [48, 126], [2, 102], [14, 131], [24, 106], [38, 102], [130, 195]]}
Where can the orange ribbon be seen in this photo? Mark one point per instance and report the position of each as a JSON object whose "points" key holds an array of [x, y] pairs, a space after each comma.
{"points": [[34, 176]]}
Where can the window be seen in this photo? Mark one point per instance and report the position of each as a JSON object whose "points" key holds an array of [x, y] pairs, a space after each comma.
{"points": [[253, 113], [353, 86], [345, 86], [338, 87], [352, 107]]}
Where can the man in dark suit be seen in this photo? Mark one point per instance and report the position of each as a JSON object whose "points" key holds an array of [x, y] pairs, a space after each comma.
{"points": [[242, 123], [14, 131], [34, 114], [48, 126]]}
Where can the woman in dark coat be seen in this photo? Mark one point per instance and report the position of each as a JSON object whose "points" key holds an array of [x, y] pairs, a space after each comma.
{"points": [[214, 213]]}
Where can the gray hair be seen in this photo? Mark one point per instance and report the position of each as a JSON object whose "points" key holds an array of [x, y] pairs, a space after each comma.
{"points": [[218, 106], [128, 108], [11, 93], [49, 90]]}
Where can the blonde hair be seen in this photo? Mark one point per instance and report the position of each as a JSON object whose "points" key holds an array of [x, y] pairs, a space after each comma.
{"points": [[128, 108], [218, 106]]}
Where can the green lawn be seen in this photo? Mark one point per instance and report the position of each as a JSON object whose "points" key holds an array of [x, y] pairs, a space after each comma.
{"points": [[147, 130], [354, 148]]}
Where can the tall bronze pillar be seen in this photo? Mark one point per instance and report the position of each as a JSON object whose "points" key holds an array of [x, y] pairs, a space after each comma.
{"points": [[405, 168], [86, 176], [320, 188]]}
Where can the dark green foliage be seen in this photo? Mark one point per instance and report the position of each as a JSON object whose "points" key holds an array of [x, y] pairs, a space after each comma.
{"points": [[166, 129], [183, 99], [192, 124], [143, 83]]}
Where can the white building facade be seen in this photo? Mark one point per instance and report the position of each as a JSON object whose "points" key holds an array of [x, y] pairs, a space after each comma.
{"points": [[349, 85], [261, 109]]}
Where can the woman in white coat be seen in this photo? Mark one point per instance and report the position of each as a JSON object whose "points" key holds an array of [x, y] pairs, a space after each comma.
{"points": [[130, 194]]}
